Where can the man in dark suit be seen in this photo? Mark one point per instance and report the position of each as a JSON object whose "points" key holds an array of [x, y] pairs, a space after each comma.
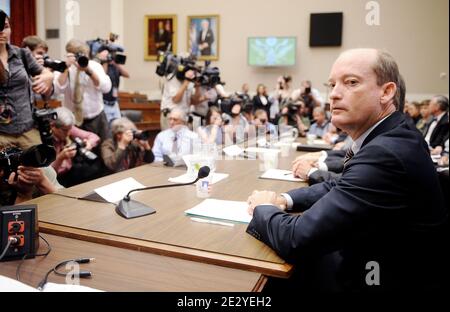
{"points": [[205, 39], [371, 229], [438, 129]]}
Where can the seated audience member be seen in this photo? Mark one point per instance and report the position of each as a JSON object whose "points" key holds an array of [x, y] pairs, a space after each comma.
{"points": [[426, 119], [321, 125], [290, 116], [123, 151], [375, 212], [25, 184], [261, 120], [71, 165], [238, 125], [247, 112], [177, 140], [414, 112], [439, 127], [261, 100], [213, 131]]}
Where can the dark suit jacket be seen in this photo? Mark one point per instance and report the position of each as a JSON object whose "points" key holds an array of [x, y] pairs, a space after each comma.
{"points": [[322, 176], [257, 104], [440, 133], [209, 40], [382, 209]]}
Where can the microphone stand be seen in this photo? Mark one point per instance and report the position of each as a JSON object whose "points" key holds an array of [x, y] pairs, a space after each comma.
{"points": [[130, 209]]}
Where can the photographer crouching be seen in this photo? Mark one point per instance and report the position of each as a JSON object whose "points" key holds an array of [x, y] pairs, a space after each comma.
{"points": [[16, 91], [129, 147], [75, 163]]}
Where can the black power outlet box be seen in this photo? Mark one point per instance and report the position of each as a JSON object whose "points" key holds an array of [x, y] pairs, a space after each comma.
{"points": [[20, 222]]}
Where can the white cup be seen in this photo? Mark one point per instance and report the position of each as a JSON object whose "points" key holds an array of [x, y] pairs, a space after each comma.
{"points": [[285, 149], [310, 138], [270, 161]]}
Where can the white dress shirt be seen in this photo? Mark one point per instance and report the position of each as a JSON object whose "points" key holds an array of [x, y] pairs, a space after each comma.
{"points": [[92, 95], [171, 88], [164, 142], [432, 127]]}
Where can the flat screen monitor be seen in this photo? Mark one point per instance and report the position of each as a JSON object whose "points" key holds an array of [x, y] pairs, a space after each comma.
{"points": [[326, 29], [272, 51]]}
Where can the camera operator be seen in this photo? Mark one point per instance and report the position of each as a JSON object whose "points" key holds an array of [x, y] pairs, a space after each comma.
{"points": [[21, 186], [290, 116], [128, 148], [310, 96], [176, 94], [83, 84], [114, 71], [68, 159], [16, 91], [238, 126]]}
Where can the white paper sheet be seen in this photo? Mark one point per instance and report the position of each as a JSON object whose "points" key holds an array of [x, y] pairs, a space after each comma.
{"points": [[222, 210], [187, 178], [282, 175], [10, 285], [115, 192], [233, 151]]}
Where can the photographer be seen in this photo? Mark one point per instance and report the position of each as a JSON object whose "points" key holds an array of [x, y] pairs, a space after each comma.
{"points": [[128, 148], [114, 71], [176, 94], [16, 91], [37, 47], [83, 84], [68, 161], [311, 97], [290, 116], [21, 186], [283, 90]]}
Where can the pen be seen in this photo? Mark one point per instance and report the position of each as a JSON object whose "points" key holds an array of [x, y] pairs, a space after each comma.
{"points": [[212, 222]]}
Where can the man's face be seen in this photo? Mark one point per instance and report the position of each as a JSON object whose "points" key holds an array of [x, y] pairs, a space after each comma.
{"points": [[205, 25], [355, 96], [39, 52], [434, 106], [319, 117], [175, 121]]}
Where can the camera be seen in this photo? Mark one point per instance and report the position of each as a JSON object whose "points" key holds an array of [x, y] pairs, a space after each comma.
{"points": [[210, 76], [43, 117], [55, 65], [81, 149], [226, 104], [82, 60], [171, 65], [308, 91], [38, 156], [116, 52], [141, 135]]}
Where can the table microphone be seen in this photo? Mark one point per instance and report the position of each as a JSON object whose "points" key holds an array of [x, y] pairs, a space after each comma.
{"points": [[130, 209]]}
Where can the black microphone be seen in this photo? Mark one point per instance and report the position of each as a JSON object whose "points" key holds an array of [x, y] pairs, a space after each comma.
{"points": [[130, 209]]}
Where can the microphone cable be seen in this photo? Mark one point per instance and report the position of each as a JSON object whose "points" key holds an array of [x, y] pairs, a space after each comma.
{"points": [[49, 250]]}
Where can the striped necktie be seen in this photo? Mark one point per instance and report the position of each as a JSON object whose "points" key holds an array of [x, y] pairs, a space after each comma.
{"points": [[348, 156], [175, 145]]}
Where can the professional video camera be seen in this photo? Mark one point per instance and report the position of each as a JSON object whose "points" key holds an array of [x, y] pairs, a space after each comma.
{"points": [[210, 76], [43, 118], [226, 104], [37, 157], [171, 65], [116, 52], [141, 135], [82, 151], [55, 65]]}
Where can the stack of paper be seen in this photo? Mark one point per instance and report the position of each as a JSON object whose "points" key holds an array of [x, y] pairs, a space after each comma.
{"points": [[115, 192], [282, 175], [222, 210]]}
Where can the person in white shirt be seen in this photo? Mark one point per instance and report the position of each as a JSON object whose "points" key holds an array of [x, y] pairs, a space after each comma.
{"points": [[176, 94], [178, 140], [83, 86], [310, 96]]}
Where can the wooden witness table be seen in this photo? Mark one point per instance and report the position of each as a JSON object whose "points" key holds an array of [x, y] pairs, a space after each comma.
{"points": [[169, 232]]}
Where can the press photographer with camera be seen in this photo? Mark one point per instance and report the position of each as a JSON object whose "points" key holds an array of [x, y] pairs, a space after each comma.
{"points": [[310, 96], [83, 84], [16, 90], [73, 150], [129, 148], [290, 115], [114, 68]]}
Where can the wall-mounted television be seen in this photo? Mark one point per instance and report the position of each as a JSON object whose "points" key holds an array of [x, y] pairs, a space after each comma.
{"points": [[272, 51]]}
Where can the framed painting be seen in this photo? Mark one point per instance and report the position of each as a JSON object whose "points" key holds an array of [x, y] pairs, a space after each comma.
{"points": [[203, 36], [160, 35]]}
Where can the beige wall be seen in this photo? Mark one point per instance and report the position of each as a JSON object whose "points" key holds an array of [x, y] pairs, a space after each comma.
{"points": [[415, 31]]}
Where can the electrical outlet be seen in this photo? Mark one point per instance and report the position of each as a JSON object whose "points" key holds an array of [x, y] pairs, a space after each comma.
{"points": [[19, 222]]}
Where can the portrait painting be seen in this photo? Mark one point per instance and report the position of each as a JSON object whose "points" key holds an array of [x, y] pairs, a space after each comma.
{"points": [[160, 35], [203, 36]]}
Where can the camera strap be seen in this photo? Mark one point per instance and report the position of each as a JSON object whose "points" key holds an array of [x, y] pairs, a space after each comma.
{"points": [[25, 64]]}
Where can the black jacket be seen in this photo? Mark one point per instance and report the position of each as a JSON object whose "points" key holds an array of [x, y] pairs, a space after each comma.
{"points": [[440, 133]]}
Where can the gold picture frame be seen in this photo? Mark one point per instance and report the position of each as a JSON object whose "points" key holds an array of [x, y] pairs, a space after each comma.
{"points": [[204, 44], [159, 31]]}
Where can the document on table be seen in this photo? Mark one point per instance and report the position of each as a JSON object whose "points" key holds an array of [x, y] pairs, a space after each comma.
{"points": [[233, 151], [115, 192], [282, 175], [187, 178], [222, 210]]}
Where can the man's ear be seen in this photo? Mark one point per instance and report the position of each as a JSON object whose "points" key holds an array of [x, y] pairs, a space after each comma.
{"points": [[389, 91]]}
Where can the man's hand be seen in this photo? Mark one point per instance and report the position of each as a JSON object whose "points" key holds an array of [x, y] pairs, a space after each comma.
{"points": [[260, 198], [67, 153], [39, 59], [302, 168], [189, 75], [43, 83]]}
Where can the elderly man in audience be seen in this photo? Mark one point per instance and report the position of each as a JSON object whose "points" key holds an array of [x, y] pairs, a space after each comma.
{"points": [[438, 131], [424, 123], [127, 149], [70, 143], [321, 125], [177, 140]]}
